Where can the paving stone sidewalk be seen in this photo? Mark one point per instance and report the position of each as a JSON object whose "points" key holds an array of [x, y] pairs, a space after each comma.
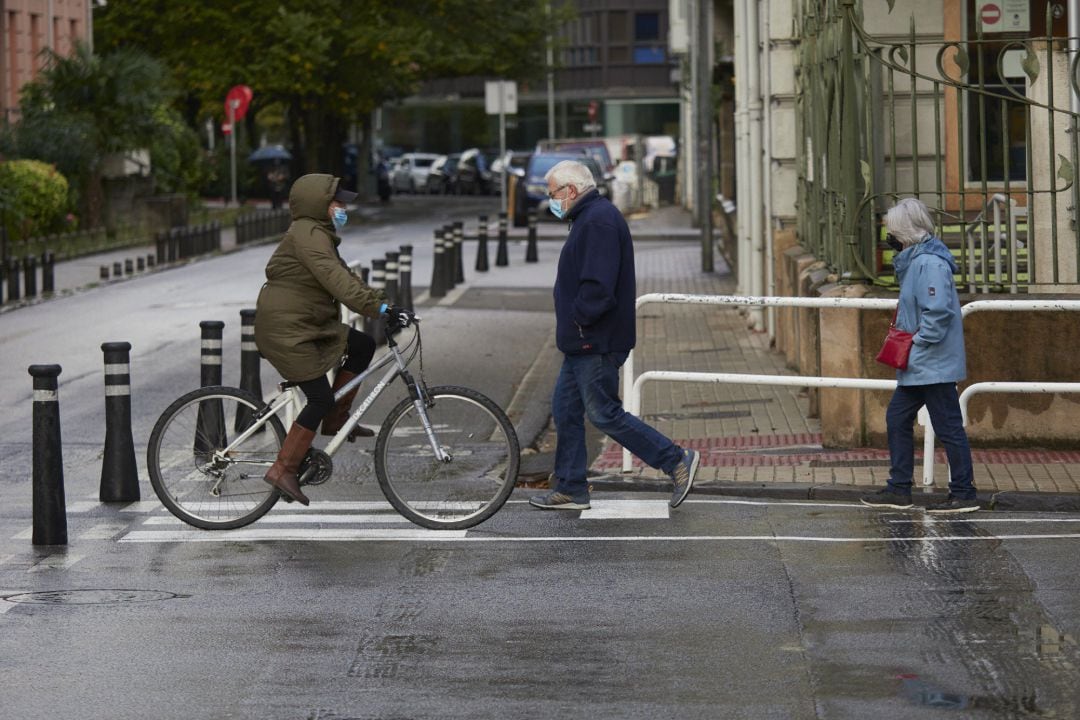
{"points": [[759, 439]]}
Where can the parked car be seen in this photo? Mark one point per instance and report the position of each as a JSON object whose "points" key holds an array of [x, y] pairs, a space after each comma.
{"points": [[474, 173], [516, 160], [410, 173], [597, 148], [442, 179], [532, 189]]}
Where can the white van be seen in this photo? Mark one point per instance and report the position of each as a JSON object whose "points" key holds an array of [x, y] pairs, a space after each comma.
{"points": [[411, 171]]}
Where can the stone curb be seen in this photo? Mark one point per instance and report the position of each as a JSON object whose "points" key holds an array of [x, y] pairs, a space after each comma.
{"points": [[1005, 500]]}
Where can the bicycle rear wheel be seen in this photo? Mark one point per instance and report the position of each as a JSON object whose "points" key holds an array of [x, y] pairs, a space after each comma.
{"points": [[482, 465], [193, 479]]}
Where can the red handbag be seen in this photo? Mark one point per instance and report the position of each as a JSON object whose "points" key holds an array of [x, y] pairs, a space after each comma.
{"points": [[897, 346]]}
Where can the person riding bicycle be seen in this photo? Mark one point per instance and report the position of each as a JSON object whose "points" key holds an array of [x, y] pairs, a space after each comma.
{"points": [[298, 324]]}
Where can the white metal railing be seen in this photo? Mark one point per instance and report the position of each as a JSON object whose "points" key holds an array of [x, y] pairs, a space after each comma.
{"points": [[634, 386]]}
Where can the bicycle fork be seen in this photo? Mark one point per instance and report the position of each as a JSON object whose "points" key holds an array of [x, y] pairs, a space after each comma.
{"points": [[419, 396]]}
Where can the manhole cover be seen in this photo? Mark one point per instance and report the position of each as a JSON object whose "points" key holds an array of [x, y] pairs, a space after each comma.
{"points": [[91, 597]]}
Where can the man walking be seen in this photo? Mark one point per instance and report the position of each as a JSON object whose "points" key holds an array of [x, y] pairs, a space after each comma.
{"points": [[595, 330]]}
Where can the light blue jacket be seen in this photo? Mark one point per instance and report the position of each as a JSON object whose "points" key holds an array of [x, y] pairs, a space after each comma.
{"points": [[930, 308]]}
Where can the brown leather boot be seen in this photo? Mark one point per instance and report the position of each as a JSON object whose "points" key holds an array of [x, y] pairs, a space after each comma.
{"points": [[336, 418], [282, 474]]}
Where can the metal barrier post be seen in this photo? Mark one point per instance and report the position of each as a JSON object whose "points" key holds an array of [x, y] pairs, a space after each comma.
{"points": [[393, 294], [119, 474], [30, 275], [438, 275], [459, 265], [50, 515], [48, 267], [13, 279]]}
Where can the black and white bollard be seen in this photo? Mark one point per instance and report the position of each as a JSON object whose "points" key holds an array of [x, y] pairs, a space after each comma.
{"points": [[502, 255], [531, 251], [14, 286], [48, 272], [30, 276], [448, 257], [481, 244], [438, 275], [405, 276], [393, 290], [459, 251], [369, 323], [250, 370], [119, 474], [378, 282], [50, 515], [210, 425]]}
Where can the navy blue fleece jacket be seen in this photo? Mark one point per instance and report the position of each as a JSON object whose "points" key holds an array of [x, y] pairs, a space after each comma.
{"points": [[595, 285]]}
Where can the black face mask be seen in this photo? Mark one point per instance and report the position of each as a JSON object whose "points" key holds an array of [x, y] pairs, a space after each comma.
{"points": [[892, 242]]}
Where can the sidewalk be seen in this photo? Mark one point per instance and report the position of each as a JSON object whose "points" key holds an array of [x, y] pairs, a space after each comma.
{"points": [[758, 440]]}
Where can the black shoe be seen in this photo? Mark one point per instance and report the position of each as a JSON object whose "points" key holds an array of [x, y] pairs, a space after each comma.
{"points": [[953, 504], [887, 498]]}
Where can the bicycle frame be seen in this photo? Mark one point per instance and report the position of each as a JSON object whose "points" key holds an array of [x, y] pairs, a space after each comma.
{"points": [[400, 367]]}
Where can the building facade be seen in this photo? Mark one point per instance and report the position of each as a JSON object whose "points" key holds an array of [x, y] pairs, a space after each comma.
{"points": [[27, 28], [613, 75]]}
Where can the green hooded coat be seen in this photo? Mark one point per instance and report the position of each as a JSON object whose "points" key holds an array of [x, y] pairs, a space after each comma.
{"points": [[298, 324]]}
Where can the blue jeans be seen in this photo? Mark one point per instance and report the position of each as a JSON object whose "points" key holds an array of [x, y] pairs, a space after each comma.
{"points": [[943, 404], [589, 385]]}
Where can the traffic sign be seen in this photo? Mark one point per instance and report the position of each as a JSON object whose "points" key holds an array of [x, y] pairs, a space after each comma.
{"points": [[236, 106], [500, 97]]}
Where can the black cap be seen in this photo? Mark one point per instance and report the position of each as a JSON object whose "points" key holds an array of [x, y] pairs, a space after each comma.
{"points": [[343, 195]]}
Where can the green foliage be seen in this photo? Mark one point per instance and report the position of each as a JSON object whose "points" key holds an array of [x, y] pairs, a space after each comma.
{"points": [[35, 198], [176, 155]]}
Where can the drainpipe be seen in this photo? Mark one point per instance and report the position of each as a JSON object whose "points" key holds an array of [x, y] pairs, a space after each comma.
{"points": [[767, 160], [742, 158], [1074, 49], [756, 246]]}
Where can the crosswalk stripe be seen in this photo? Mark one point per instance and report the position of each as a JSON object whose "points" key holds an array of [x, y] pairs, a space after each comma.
{"points": [[298, 519], [315, 534]]}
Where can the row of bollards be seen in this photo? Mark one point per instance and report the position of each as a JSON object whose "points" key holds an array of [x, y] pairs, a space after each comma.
{"points": [[448, 269], [128, 267], [21, 276]]}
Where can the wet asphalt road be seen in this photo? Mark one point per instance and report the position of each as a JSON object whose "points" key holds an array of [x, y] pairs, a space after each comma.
{"points": [[720, 609]]}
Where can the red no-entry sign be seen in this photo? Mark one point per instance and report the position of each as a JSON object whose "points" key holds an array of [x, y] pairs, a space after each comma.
{"points": [[236, 102], [990, 14]]}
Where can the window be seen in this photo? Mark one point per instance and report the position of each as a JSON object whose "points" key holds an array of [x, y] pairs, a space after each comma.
{"points": [[646, 26]]}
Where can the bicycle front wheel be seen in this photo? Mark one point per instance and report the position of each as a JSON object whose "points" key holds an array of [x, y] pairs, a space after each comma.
{"points": [[192, 475], [475, 476]]}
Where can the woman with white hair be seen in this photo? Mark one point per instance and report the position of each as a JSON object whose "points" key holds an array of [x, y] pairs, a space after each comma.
{"points": [[929, 308]]}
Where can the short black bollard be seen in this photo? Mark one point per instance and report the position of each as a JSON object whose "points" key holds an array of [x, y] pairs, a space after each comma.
{"points": [[30, 275], [117, 269], [129, 266], [140, 264], [250, 369], [502, 257], [119, 474], [161, 245], [438, 275], [48, 272], [459, 264], [481, 244], [448, 257], [210, 425], [393, 289], [50, 514], [14, 291], [103, 273], [369, 323], [150, 261], [531, 251]]}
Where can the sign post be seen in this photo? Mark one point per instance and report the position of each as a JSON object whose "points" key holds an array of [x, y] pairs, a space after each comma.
{"points": [[236, 106], [500, 98]]}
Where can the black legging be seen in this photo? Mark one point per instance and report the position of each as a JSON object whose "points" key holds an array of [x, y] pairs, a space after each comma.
{"points": [[320, 397]]}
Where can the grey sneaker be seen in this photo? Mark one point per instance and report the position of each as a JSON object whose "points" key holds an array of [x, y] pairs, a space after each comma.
{"points": [[953, 504], [683, 477], [556, 500], [887, 498]]}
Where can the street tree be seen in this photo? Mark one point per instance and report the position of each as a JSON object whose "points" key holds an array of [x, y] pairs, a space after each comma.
{"points": [[327, 64]]}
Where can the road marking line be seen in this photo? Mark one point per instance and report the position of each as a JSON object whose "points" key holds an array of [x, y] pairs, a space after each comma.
{"points": [[376, 535], [81, 506], [141, 506], [283, 519], [320, 534], [56, 562], [27, 534], [627, 510], [931, 519], [104, 531]]}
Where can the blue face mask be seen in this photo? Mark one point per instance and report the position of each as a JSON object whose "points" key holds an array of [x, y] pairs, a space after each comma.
{"points": [[555, 205], [341, 216]]}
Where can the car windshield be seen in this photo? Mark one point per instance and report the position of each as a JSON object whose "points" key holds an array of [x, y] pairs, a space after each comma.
{"points": [[423, 162], [542, 163]]}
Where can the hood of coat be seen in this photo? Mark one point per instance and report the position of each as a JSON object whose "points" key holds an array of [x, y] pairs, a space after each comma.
{"points": [[310, 197], [931, 246]]}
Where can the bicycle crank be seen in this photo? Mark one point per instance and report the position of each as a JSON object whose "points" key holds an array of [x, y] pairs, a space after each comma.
{"points": [[316, 468]]}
